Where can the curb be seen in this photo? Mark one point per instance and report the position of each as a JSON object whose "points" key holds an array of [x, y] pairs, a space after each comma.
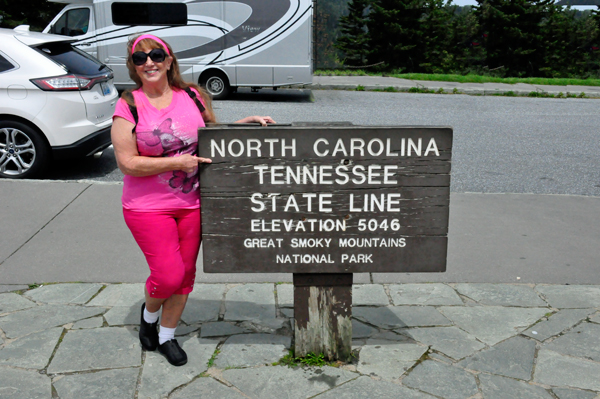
{"points": [[434, 89]]}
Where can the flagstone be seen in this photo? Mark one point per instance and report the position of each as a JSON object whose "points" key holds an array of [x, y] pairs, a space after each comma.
{"points": [[248, 350], [206, 387], [560, 370], [566, 393], [285, 295], [424, 294], [492, 324], [44, 317], [557, 323], [286, 383], [92, 322], [158, 378], [442, 380], [250, 302], [120, 295], [388, 360], [220, 329], [451, 341], [369, 295], [497, 387], [511, 358], [365, 387], [11, 302], [96, 349], [401, 316], [571, 296], [501, 294], [21, 384], [77, 294], [204, 303], [582, 341], [31, 351], [119, 383]]}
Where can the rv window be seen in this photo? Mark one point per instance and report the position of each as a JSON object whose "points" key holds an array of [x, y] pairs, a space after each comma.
{"points": [[149, 14], [74, 22]]}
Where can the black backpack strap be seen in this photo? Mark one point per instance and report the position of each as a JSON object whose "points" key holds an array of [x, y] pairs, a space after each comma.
{"points": [[132, 109], [193, 96]]}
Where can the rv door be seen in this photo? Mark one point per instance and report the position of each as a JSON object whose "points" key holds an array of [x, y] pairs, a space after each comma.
{"points": [[76, 21]]}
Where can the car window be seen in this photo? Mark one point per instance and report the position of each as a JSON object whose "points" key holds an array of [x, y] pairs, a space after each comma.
{"points": [[5, 65], [74, 60], [74, 22], [149, 14]]}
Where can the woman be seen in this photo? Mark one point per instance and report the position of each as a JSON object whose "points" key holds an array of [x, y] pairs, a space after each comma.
{"points": [[154, 135]]}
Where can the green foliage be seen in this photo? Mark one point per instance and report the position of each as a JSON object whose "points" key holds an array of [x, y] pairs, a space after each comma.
{"points": [[326, 31], [212, 359], [470, 78], [354, 36], [420, 90], [495, 38], [311, 359], [36, 13]]}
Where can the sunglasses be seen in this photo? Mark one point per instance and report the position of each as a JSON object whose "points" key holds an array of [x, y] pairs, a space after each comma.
{"points": [[156, 55]]}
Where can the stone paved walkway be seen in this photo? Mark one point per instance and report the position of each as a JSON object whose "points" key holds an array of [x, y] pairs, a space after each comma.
{"points": [[410, 340]]}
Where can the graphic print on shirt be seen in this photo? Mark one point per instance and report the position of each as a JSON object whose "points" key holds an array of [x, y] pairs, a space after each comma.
{"points": [[163, 135], [171, 145], [184, 181]]}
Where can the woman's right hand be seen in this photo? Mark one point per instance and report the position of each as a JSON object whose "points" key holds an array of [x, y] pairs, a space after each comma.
{"points": [[189, 163]]}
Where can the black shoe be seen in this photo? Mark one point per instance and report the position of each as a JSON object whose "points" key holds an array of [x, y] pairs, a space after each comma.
{"points": [[148, 333], [173, 352]]}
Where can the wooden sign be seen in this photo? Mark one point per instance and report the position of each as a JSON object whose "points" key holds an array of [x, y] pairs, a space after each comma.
{"points": [[323, 198]]}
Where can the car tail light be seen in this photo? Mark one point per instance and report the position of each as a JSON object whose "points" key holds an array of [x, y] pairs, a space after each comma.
{"points": [[67, 82]]}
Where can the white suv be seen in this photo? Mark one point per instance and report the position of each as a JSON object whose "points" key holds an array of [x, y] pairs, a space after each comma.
{"points": [[56, 102]]}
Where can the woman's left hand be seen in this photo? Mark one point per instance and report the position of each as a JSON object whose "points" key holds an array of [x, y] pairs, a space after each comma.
{"points": [[263, 120]]}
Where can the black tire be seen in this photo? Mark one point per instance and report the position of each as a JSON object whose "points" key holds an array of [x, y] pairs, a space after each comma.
{"points": [[24, 152], [217, 84]]}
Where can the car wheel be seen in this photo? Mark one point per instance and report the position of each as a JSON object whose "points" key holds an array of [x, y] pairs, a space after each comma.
{"points": [[23, 151], [217, 84]]}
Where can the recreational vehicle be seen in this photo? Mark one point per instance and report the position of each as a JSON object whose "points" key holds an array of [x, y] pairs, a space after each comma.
{"points": [[220, 44]]}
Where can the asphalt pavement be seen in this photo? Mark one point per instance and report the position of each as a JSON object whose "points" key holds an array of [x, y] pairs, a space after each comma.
{"points": [[516, 314]]}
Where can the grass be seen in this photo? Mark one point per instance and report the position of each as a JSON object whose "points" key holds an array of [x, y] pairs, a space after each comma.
{"points": [[211, 361], [311, 359], [463, 78]]}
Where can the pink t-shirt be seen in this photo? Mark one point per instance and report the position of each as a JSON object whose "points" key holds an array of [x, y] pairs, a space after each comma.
{"points": [[169, 132]]}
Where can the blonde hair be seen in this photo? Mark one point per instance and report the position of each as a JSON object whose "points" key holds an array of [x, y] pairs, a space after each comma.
{"points": [[173, 76]]}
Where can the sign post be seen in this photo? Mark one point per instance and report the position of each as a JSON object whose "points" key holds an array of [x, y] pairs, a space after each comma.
{"points": [[324, 201]]}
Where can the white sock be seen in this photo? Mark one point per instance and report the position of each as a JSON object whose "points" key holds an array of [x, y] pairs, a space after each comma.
{"points": [[150, 317], [165, 334]]}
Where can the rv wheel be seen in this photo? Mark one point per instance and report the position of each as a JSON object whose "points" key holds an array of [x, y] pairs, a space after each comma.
{"points": [[217, 85]]}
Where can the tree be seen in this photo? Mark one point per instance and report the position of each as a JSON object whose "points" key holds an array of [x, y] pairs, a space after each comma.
{"points": [[354, 34], [513, 36], [436, 38], [36, 13], [465, 43], [326, 31], [395, 33]]}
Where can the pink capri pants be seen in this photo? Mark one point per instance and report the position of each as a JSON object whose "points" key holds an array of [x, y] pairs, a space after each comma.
{"points": [[170, 240]]}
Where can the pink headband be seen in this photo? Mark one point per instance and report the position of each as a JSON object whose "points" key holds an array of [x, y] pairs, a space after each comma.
{"points": [[156, 39]]}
